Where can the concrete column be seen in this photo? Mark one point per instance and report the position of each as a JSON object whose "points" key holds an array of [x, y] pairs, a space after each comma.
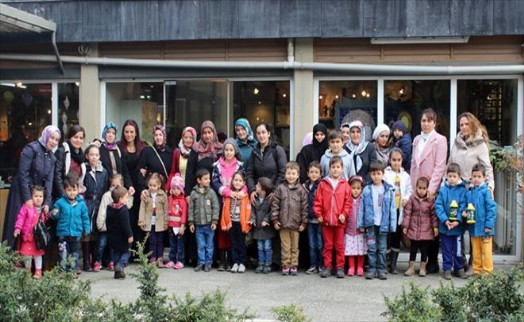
{"points": [[90, 110], [304, 102]]}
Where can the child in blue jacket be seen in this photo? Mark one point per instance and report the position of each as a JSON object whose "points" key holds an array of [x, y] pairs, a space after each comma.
{"points": [[70, 212], [483, 230]]}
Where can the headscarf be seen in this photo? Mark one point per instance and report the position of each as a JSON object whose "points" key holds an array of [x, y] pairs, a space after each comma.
{"points": [[308, 139], [356, 150], [183, 150], [211, 149], [379, 129], [47, 132], [321, 146], [160, 128], [109, 146], [233, 142], [245, 124]]}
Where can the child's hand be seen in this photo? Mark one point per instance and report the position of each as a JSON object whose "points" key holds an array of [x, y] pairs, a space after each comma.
{"points": [[301, 228], [192, 228], [342, 218], [405, 231], [252, 223], [320, 219], [46, 209], [240, 194], [464, 214], [143, 195], [435, 231], [55, 212], [182, 229], [277, 225], [404, 202], [448, 224], [362, 230], [487, 230], [29, 203], [131, 191], [213, 226], [17, 232], [130, 240], [264, 224]]}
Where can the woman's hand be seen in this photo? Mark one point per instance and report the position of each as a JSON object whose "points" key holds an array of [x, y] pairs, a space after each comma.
{"points": [[29, 203], [131, 191], [143, 195], [253, 197], [17, 232]]}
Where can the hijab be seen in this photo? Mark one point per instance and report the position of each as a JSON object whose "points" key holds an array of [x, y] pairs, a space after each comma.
{"points": [[357, 149], [47, 132], [160, 128], [250, 137], [320, 146], [109, 146], [210, 149], [183, 150]]}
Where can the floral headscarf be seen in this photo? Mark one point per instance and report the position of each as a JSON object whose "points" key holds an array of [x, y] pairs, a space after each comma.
{"points": [[109, 146], [210, 149], [46, 135], [183, 150]]}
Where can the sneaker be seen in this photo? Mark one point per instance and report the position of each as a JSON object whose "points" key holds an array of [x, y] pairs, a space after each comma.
{"points": [[260, 269], [97, 266], [470, 272], [207, 268], [111, 266], [199, 267], [267, 269], [234, 269], [221, 267], [382, 276], [370, 275], [241, 268], [179, 265], [293, 271], [311, 270], [170, 264], [461, 274], [447, 275], [326, 272], [285, 270], [340, 273]]}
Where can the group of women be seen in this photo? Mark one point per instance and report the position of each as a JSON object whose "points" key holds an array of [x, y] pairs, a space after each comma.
{"points": [[46, 162]]}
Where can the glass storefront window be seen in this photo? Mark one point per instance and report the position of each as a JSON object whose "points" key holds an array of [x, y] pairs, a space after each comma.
{"points": [[142, 102], [406, 99], [264, 101], [25, 109], [68, 106], [494, 103]]}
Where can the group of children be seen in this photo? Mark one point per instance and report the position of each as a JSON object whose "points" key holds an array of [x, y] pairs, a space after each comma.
{"points": [[342, 214]]}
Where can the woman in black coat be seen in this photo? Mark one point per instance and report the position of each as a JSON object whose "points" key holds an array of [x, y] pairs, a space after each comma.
{"points": [[155, 159], [36, 168], [313, 151], [69, 159], [111, 156]]}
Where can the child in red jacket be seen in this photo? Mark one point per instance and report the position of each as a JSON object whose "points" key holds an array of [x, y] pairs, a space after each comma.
{"points": [[177, 223], [331, 207]]}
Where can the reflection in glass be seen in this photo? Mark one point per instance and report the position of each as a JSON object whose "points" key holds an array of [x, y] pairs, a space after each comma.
{"points": [[68, 104]]}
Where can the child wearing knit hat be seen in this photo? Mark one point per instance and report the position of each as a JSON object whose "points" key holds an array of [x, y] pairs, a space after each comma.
{"points": [[402, 140], [177, 222]]}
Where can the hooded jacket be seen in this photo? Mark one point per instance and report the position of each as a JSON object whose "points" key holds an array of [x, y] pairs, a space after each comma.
{"points": [[445, 196], [485, 210], [420, 218], [289, 206], [203, 207], [245, 214], [331, 202], [72, 218], [349, 169]]}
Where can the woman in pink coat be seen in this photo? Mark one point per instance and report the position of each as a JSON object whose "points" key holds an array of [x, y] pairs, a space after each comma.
{"points": [[430, 151]]}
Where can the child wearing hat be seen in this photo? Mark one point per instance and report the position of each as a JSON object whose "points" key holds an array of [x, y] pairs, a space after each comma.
{"points": [[402, 140], [177, 222]]}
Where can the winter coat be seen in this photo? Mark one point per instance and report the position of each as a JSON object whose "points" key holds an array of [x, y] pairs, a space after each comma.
{"points": [[150, 161], [308, 154], [405, 188], [204, 208], [245, 214], [96, 183], [366, 216], [223, 175], [331, 202], [102, 210], [36, 167], [289, 206], [177, 211], [467, 153], [351, 225], [118, 228], [146, 211], [368, 155], [271, 163], [261, 212], [405, 144], [311, 192], [246, 148], [445, 196], [72, 219], [485, 210], [431, 162], [189, 179], [349, 169], [420, 218], [121, 166], [25, 219], [62, 167]]}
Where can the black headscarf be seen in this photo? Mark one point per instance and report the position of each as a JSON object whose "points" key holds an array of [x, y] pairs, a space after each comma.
{"points": [[320, 146]]}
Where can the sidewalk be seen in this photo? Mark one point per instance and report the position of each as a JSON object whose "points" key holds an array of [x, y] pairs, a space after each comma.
{"points": [[331, 299]]}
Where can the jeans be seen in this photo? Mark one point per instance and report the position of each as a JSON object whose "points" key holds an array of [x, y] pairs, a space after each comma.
{"points": [[265, 251], [177, 250], [120, 259], [204, 236], [377, 244], [314, 233], [69, 246], [238, 241], [102, 243], [156, 243]]}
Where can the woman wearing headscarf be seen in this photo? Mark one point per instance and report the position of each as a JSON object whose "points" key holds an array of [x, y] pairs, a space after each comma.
{"points": [[313, 151], [245, 140], [70, 159], [36, 168], [360, 151], [382, 146], [111, 156], [155, 159], [183, 157]]}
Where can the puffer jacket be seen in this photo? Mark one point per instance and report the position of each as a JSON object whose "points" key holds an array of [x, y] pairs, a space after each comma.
{"points": [[261, 212], [469, 152], [271, 163], [366, 216], [289, 206], [445, 196], [25, 219], [485, 211], [405, 143], [145, 214], [72, 219], [203, 207], [331, 202], [420, 218]]}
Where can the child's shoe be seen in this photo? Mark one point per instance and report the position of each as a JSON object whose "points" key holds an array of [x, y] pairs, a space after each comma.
{"points": [[293, 270], [234, 269], [241, 268], [260, 269], [351, 271], [199, 267], [152, 260], [370, 275], [160, 263], [267, 268], [179, 265], [97, 266], [422, 272], [411, 269], [207, 268], [285, 270], [170, 264], [311, 270], [360, 271], [111, 266], [340, 273], [38, 274], [382, 276], [326, 272], [447, 275], [461, 274]]}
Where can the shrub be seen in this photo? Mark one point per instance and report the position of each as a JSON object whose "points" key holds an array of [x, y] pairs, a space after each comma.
{"points": [[413, 305], [289, 313]]}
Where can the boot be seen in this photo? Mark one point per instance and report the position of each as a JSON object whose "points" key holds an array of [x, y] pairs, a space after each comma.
{"points": [[394, 258], [411, 269], [388, 259], [422, 272], [227, 260], [222, 260], [86, 255]]}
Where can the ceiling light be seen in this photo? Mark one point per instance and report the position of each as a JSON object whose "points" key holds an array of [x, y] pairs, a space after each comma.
{"points": [[255, 91], [419, 40]]}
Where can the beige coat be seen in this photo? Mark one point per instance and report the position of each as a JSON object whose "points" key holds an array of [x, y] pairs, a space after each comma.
{"points": [[146, 212], [470, 152]]}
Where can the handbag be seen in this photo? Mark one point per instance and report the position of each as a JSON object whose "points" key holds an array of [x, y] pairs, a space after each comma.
{"points": [[41, 234]]}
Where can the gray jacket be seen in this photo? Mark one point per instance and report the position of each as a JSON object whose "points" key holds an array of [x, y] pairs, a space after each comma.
{"points": [[203, 207]]}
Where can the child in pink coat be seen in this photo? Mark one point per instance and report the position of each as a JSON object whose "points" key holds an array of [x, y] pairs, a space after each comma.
{"points": [[25, 223]]}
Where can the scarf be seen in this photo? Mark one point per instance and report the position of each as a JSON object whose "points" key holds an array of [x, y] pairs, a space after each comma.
{"points": [[211, 149], [321, 147], [110, 146], [162, 146], [77, 155], [357, 149], [46, 135], [183, 150]]}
